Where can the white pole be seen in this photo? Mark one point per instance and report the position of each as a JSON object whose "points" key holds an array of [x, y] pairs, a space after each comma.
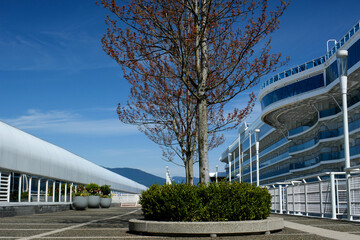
{"points": [[342, 69], [234, 166], [229, 161], [250, 158], [216, 174], [239, 160], [257, 136]]}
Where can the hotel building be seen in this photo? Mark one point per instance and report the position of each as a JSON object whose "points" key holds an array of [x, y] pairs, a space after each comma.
{"points": [[301, 124]]}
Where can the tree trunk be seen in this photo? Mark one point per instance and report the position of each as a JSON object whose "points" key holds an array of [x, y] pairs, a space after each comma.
{"points": [[189, 164], [202, 141]]}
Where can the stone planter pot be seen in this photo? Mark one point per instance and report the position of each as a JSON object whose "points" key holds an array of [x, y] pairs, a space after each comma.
{"points": [[105, 202], [94, 201], [80, 202]]}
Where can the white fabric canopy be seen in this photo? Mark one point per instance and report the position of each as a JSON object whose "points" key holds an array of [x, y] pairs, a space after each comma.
{"points": [[24, 153]]}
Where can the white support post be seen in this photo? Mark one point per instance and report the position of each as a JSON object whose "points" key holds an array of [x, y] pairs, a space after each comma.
{"points": [[293, 193], [60, 191], [8, 188], [65, 197], [38, 190], [337, 195], [29, 195], [46, 190], [321, 200], [280, 200], [306, 199], [333, 197], [287, 200], [20, 188], [71, 189], [53, 194]]}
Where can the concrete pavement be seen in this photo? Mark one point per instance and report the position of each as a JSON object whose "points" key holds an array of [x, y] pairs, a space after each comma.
{"points": [[112, 223]]}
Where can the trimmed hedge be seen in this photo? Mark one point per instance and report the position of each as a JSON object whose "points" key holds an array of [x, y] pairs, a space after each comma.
{"points": [[217, 202]]}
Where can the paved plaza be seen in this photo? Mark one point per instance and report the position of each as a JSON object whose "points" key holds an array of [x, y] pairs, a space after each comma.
{"points": [[112, 223]]}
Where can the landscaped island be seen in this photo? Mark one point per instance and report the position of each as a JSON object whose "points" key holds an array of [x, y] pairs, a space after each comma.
{"points": [[219, 208]]}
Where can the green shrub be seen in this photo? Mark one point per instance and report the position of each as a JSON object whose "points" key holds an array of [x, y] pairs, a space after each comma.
{"points": [[93, 189], [105, 190], [217, 202]]}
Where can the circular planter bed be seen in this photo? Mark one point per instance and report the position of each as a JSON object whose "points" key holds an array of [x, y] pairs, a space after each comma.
{"points": [[206, 228]]}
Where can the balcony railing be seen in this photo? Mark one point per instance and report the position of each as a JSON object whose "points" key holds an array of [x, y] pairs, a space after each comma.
{"points": [[312, 63]]}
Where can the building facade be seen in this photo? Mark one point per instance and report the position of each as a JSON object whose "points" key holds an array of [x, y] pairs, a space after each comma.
{"points": [[301, 124], [33, 170]]}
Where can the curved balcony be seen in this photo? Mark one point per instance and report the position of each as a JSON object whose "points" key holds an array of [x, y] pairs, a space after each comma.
{"points": [[313, 63], [325, 135], [324, 157]]}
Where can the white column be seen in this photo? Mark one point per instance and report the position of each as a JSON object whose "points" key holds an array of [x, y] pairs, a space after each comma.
{"points": [[20, 183], [38, 190], [65, 192], [59, 191], [29, 196], [71, 188], [8, 188], [53, 194], [46, 190]]}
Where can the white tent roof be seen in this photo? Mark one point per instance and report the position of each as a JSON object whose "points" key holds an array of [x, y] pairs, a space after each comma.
{"points": [[24, 153]]}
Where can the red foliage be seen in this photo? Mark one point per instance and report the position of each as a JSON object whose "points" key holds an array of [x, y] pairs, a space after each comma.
{"points": [[200, 53]]}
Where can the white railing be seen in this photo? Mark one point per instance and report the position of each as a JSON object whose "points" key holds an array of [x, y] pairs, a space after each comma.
{"points": [[325, 197], [126, 199]]}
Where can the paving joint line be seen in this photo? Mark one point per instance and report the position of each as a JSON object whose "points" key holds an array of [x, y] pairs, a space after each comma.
{"points": [[320, 231], [75, 226]]}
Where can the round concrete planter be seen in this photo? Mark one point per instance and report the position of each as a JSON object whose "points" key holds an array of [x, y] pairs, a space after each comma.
{"points": [[206, 228], [80, 203], [105, 202], [94, 201]]}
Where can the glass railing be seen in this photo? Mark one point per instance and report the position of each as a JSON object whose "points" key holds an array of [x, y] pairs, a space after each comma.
{"points": [[325, 157], [313, 63], [324, 135], [274, 160]]}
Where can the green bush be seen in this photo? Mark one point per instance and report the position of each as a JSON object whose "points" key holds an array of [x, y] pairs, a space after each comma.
{"points": [[217, 202], [93, 189], [105, 190]]}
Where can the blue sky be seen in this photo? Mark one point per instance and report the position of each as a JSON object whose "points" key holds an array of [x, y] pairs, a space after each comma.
{"points": [[57, 83]]}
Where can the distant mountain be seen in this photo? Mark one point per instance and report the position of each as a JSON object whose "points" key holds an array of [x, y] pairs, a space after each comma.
{"points": [[138, 176], [183, 180], [145, 178]]}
